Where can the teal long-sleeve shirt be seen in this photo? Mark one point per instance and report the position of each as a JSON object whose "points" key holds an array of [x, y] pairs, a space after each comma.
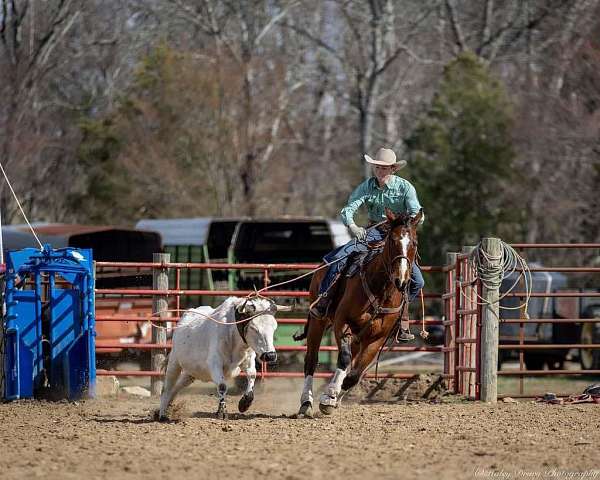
{"points": [[397, 194]]}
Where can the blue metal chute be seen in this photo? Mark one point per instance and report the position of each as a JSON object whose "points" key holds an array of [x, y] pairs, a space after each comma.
{"points": [[49, 325]]}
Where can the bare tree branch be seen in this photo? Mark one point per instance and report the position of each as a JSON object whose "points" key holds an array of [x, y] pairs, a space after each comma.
{"points": [[459, 38], [273, 21]]}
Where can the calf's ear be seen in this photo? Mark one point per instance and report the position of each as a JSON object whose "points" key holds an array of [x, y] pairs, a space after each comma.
{"points": [[242, 308], [284, 308]]}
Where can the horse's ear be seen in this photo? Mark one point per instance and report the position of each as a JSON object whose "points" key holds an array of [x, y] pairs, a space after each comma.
{"points": [[417, 218], [390, 215]]}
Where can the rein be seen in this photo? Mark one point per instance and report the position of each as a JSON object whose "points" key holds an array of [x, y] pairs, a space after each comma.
{"points": [[377, 308], [374, 302], [390, 271]]}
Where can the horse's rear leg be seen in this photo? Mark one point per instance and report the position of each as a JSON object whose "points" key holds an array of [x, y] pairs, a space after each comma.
{"points": [[361, 363], [313, 342], [329, 398]]}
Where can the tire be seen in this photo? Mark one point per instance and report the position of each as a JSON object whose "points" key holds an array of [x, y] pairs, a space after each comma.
{"points": [[502, 357], [534, 361], [555, 362], [588, 358]]}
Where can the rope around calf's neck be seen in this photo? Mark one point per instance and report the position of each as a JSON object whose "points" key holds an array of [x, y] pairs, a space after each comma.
{"points": [[209, 317]]}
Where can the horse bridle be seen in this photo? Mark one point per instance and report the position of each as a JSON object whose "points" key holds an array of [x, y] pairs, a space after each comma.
{"points": [[390, 271]]}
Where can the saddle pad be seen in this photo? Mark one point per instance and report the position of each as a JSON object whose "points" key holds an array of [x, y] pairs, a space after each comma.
{"points": [[360, 258]]}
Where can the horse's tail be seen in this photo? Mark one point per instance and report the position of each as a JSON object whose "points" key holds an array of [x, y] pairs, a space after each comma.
{"points": [[164, 363], [314, 291], [298, 337]]}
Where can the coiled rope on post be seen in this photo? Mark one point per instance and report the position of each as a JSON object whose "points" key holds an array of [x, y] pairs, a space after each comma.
{"points": [[491, 270]]}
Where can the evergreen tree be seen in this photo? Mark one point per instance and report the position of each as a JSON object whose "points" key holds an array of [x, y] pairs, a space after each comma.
{"points": [[462, 159]]}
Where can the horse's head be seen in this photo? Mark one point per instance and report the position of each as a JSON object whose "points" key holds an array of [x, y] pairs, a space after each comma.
{"points": [[402, 244]]}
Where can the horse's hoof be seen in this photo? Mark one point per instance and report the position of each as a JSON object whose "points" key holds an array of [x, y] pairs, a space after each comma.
{"points": [[306, 410], [160, 418], [245, 402], [326, 409], [221, 415]]}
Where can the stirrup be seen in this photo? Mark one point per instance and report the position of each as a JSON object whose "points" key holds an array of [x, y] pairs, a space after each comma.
{"points": [[405, 336]]}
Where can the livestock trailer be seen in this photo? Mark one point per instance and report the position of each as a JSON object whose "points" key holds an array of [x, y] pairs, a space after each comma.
{"points": [[284, 240], [196, 240]]}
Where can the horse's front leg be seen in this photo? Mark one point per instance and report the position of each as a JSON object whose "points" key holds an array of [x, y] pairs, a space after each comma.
{"points": [[330, 396], [363, 360], [249, 367], [313, 342]]}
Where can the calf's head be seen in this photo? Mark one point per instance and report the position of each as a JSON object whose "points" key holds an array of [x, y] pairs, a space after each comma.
{"points": [[260, 327]]}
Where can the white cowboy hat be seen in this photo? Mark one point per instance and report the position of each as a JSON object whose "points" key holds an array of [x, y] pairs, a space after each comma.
{"points": [[387, 158]]}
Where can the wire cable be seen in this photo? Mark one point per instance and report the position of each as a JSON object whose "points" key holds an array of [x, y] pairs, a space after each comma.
{"points": [[20, 207]]}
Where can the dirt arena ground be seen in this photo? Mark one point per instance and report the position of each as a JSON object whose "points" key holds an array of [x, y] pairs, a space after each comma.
{"points": [[116, 439]]}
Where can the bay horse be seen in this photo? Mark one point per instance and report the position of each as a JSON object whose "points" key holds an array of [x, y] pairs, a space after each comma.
{"points": [[364, 310]]}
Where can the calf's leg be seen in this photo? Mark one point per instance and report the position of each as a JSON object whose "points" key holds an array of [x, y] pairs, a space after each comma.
{"points": [[173, 385], [216, 373], [249, 367]]}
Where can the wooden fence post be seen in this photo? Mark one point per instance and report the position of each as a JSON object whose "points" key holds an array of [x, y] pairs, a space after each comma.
{"points": [[160, 305], [490, 319]]}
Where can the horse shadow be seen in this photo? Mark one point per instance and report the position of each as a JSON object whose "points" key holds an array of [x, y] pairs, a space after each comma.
{"points": [[403, 391]]}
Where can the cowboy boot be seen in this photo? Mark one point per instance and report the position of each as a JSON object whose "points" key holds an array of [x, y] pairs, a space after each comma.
{"points": [[405, 335], [319, 309]]}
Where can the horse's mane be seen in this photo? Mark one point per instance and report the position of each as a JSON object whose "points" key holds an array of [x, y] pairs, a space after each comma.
{"points": [[402, 219]]}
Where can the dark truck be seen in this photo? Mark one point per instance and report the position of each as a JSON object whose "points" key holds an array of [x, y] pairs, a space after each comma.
{"points": [[549, 333], [284, 240], [196, 240]]}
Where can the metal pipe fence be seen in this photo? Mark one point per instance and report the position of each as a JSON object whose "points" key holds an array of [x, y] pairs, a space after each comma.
{"points": [[176, 294], [461, 318]]}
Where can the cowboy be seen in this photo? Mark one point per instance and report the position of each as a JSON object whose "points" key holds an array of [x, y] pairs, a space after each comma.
{"points": [[383, 190]]}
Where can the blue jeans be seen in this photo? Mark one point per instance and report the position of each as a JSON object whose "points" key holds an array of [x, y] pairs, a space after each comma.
{"points": [[373, 235]]}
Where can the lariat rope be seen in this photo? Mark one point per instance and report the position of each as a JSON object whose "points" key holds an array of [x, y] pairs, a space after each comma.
{"points": [[205, 315], [20, 207], [320, 267], [424, 333], [491, 270]]}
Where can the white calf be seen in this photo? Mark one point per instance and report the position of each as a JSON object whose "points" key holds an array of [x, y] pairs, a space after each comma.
{"points": [[217, 350]]}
